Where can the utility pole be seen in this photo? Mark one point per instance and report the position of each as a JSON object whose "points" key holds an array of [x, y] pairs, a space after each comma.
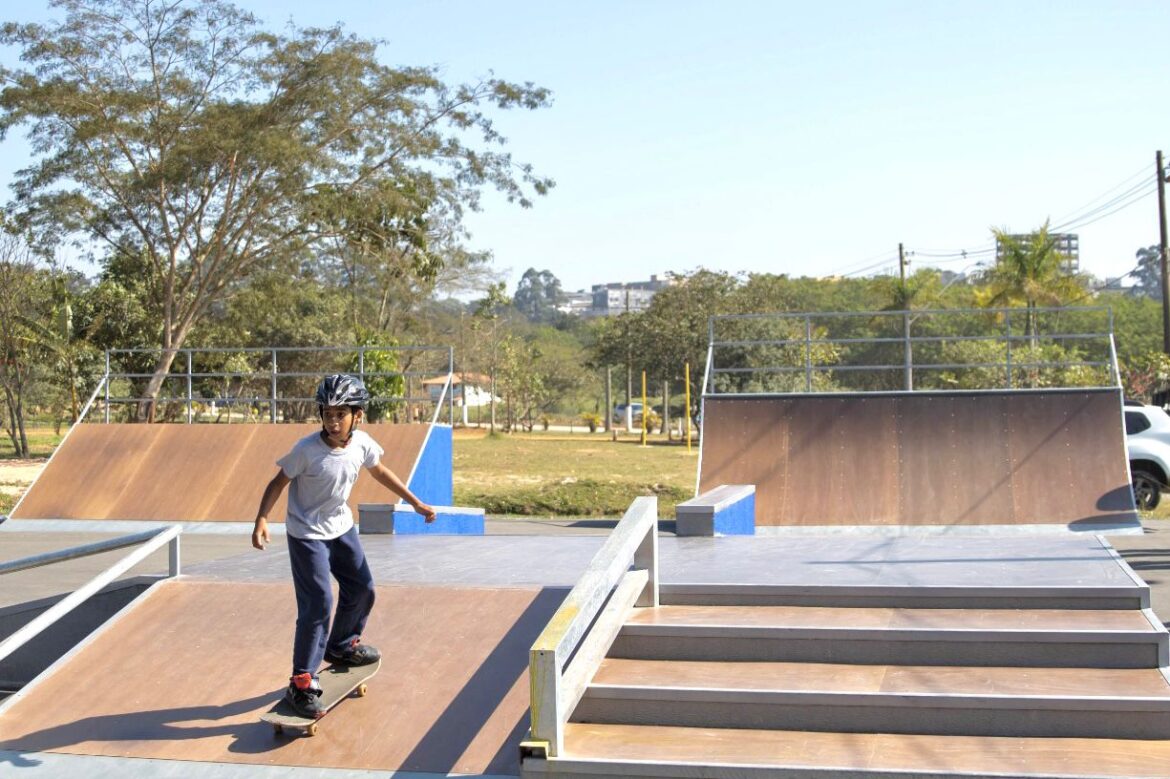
{"points": [[1162, 257]]}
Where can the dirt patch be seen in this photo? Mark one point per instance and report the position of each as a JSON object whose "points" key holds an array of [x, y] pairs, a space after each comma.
{"points": [[20, 471]]}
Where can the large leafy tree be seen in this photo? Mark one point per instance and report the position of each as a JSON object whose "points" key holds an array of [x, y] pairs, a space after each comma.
{"points": [[538, 293], [26, 302], [182, 132], [1148, 272]]}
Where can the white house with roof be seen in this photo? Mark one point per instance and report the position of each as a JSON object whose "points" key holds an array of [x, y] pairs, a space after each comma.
{"points": [[468, 390]]}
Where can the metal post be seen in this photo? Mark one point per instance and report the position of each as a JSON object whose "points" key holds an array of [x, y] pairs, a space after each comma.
{"points": [[362, 363], [451, 387], [174, 552], [189, 393], [1008, 321], [808, 354], [908, 358], [107, 404], [272, 401]]}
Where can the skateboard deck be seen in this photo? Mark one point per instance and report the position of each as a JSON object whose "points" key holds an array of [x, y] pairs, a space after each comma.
{"points": [[337, 682]]}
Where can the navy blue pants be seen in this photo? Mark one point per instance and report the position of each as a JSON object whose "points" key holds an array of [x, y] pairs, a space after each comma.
{"points": [[312, 563]]}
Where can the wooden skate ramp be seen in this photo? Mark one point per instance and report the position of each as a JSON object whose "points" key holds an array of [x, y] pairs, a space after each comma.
{"points": [[196, 473], [186, 674], [982, 458]]}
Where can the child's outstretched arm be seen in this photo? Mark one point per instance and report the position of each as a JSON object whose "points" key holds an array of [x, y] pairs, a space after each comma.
{"points": [[390, 481], [271, 495]]}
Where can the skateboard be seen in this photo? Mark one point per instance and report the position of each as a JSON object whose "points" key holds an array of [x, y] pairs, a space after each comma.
{"points": [[337, 682]]}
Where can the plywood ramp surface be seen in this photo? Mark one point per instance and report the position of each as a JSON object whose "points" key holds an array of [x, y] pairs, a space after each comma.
{"points": [[187, 673], [1010, 458], [195, 473], [872, 751]]}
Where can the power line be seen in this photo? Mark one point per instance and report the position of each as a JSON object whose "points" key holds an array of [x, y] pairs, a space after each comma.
{"points": [[1143, 171], [1091, 212], [1136, 191]]}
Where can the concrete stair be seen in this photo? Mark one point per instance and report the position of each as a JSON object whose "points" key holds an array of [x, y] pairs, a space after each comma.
{"points": [[836, 682]]}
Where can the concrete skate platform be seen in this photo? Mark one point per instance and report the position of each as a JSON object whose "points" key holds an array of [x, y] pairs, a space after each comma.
{"points": [[178, 680]]}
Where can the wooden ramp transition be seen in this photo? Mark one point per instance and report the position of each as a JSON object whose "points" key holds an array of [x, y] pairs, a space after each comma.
{"points": [[186, 673], [1023, 457], [203, 473]]}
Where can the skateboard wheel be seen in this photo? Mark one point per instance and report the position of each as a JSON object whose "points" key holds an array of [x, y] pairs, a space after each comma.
{"points": [[312, 729], [362, 690], [277, 729]]}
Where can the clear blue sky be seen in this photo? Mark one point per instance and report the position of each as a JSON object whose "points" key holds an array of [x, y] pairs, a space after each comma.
{"points": [[800, 138]]}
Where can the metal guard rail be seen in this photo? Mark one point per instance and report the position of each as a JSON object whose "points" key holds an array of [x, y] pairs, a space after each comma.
{"points": [[568, 651], [150, 540]]}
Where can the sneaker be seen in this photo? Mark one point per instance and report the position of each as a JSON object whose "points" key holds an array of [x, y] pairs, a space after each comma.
{"points": [[304, 695], [356, 653]]}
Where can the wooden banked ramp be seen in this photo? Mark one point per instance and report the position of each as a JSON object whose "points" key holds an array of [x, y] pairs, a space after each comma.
{"points": [[1011, 458], [1039, 689], [185, 674], [195, 473]]}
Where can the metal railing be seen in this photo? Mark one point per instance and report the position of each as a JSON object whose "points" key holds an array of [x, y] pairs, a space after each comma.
{"points": [[276, 383], [150, 540], [943, 349], [571, 647]]}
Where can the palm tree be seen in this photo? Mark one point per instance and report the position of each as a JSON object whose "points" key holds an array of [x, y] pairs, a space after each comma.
{"points": [[1030, 269]]}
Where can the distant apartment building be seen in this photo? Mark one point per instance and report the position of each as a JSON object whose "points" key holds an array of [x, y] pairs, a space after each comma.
{"points": [[1068, 244], [579, 303], [618, 298]]}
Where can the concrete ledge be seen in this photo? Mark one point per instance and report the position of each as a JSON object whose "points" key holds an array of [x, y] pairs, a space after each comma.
{"points": [[401, 519], [727, 510]]}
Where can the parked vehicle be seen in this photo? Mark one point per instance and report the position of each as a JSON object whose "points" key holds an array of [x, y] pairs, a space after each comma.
{"points": [[1147, 438], [619, 413]]}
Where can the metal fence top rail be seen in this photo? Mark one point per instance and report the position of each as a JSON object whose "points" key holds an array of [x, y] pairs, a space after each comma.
{"points": [[912, 311], [270, 349]]}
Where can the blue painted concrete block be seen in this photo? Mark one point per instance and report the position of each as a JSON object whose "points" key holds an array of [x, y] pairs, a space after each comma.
{"points": [[727, 510], [401, 519]]}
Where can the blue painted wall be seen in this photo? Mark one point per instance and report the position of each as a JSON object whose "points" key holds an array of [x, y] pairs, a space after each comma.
{"points": [[432, 479], [738, 519]]}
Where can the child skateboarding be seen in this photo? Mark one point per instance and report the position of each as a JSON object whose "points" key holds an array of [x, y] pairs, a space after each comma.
{"points": [[323, 540]]}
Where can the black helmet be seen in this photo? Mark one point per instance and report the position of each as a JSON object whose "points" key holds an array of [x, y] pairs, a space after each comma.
{"points": [[341, 389]]}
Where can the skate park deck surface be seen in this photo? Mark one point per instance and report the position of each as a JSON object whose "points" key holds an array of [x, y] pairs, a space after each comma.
{"points": [[181, 677]]}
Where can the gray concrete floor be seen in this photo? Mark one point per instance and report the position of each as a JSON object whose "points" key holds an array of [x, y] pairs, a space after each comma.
{"points": [[197, 548], [553, 553], [1149, 555]]}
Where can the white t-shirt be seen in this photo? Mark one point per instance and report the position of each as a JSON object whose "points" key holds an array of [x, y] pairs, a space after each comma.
{"points": [[322, 478]]}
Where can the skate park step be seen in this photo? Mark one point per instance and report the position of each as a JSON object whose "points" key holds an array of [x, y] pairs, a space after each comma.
{"points": [[1135, 596], [951, 637], [594, 750], [973, 701]]}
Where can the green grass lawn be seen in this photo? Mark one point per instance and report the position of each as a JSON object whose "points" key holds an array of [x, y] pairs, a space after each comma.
{"points": [[41, 440], [562, 475]]}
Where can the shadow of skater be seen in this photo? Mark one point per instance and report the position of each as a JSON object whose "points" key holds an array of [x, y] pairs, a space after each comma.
{"points": [[157, 725]]}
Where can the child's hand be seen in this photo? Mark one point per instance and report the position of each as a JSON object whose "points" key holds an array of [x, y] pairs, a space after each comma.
{"points": [[260, 534], [427, 512]]}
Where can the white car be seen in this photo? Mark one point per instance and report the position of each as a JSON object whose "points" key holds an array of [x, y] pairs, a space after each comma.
{"points": [[1147, 437]]}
